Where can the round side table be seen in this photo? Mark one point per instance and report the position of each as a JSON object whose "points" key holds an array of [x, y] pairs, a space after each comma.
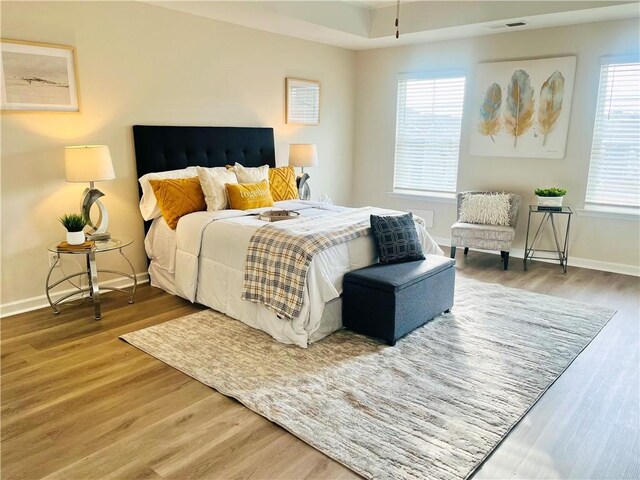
{"points": [[93, 288]]}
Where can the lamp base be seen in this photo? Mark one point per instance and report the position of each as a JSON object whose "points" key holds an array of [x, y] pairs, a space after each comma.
{"points": [[304, 190], [99, 236], [89, 198]]}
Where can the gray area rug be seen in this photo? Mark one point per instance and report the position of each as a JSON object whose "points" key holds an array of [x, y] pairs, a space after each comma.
{"points": [[434, 406]]}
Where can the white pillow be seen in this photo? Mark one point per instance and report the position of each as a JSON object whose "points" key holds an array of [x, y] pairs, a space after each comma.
{"points": [[148, 203], [485, 208], [251, 174], [212, 181]]}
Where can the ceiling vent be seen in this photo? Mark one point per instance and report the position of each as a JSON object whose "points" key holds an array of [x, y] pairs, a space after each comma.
{"points": [[506, 25]]}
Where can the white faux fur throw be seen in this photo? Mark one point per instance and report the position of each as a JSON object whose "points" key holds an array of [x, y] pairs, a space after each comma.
{"points": [[485, 208]]}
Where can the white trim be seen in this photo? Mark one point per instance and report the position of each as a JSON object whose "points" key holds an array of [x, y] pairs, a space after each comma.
{"points": [[432, 74], [442, 241], [621, 268], [603, 213], [619, 59], [34, 303], [424, 197]]}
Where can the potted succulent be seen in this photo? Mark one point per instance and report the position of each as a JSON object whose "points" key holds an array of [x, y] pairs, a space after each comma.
{"points": [[74, 223], [550, 197]]}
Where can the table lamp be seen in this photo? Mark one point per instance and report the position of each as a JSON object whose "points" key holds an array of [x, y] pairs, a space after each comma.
{"points": [[303, 155], [91, 163]]}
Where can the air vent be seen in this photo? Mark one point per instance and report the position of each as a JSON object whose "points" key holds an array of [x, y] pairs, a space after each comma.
{"points": [[502, 26]]}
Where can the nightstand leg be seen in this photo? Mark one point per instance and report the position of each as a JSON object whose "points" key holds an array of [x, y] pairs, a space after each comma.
{"points": [[133, 276], [95, 289], [526, 242], [89, 275], [47, 288], [566, 244], [555, 237]]}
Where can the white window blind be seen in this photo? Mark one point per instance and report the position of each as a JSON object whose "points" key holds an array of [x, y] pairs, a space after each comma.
{"points": [[428, 123], [614, 171]]}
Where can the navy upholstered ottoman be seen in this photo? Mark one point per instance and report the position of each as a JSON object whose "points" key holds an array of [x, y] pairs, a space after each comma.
{"points": [[389, 301]]}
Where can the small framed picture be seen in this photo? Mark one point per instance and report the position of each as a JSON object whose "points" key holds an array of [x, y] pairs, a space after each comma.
{"points": [[302, 101], [38, 77]]}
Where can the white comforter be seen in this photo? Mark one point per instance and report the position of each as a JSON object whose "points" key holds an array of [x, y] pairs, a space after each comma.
{"points": [[210, 255]]}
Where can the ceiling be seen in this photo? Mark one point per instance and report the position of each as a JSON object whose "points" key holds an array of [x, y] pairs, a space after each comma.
{"points": [[371, 4], [364, 24]]}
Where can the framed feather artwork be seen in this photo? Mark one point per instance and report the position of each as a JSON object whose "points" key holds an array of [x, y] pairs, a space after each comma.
{"points": [[522, 108]]}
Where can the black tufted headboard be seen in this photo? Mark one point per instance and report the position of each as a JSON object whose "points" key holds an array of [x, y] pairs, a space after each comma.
{"points": [[161, 148]]}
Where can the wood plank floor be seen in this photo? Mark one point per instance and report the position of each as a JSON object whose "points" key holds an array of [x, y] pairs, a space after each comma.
{"points": [[77, 403]]}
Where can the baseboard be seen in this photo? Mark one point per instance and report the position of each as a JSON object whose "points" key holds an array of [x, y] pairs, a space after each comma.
{"points": [[573, 261], [34, 303]]}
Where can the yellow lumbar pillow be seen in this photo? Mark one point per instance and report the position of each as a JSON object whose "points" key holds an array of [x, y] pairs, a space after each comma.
{"points": [[177, 197], [282, 183], [245, 196]]}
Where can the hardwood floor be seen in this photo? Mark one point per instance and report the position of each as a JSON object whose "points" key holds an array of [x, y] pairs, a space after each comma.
{"points": [[77, 403]]}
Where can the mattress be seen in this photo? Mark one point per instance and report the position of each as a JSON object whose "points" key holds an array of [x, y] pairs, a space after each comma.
{"points": [[203, 260]]}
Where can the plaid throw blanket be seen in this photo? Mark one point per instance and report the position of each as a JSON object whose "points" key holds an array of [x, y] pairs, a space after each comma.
{"points": [[279, 255]]}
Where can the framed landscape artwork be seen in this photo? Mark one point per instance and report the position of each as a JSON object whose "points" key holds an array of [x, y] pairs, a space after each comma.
{"points": [[38, 77], [522, 108], [302, 99]]}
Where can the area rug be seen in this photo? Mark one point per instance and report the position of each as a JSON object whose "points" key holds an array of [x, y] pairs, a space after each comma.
{"points": [[434, 406]]}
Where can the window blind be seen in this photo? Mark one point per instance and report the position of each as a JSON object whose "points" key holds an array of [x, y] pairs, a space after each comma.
{"points": [[428, 121], [614, 171]]}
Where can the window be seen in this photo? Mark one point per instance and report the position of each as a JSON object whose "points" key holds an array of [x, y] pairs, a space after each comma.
{"points": [[614, 172], [428, 124]]}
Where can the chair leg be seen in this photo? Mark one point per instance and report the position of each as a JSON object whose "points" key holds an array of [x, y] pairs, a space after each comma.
{"points": [[466, 250], [505, 259], [453, 252]]}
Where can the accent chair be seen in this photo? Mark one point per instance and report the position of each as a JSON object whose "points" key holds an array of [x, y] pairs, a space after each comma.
{"points": [[486, 237]]}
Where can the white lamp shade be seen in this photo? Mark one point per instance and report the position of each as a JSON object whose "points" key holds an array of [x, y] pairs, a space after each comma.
{"points": [[303, 155], [88, 163]]}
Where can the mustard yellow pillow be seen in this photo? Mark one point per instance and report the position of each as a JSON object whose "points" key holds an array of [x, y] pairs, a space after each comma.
{"points": [[282, 183], [244, 196], [177, 197]]}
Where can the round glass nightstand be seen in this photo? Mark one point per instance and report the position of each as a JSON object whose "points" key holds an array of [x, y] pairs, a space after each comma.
{"points": [[117, 242]]}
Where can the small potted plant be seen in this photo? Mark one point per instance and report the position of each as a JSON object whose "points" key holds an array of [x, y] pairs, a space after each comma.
{"points": [[550, 197], [74, 223]]}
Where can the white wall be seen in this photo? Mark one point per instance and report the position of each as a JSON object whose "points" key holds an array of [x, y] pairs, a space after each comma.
{"points": [[141, 64], [595, 239]]}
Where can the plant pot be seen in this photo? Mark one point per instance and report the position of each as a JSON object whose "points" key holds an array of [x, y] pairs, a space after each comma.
{"points": [[550, 201], [75, 238]]}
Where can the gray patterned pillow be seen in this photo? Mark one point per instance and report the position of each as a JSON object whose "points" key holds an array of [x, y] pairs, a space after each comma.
{"points": [[396, 238]]}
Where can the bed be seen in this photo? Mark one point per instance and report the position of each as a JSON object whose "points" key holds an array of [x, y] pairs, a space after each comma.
{"points": [[203, 259]]}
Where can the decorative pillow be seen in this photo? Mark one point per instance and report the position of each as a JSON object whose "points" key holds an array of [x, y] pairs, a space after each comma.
{"points": [[485, 208], [178, 197], [148, 203], [396, 238], [282, 183], [251, 174], [212, 181], [245, 196]]}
